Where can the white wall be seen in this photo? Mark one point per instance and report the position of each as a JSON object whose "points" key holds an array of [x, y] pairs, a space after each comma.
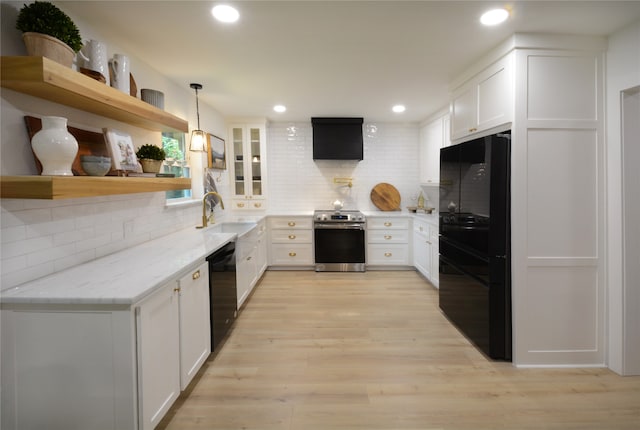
{"points": [[298, 183], [41, 237], [623, 72]]}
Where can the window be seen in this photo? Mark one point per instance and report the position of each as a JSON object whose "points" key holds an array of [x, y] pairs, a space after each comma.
{"points": [[173, 145]]}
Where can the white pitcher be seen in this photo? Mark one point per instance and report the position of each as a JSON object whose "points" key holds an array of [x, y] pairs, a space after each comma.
{"points": [[119, 66], [94, 54]]}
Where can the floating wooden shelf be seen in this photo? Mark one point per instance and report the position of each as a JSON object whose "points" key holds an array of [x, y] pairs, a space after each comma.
{"points": [[46, 79], [69, 187]]}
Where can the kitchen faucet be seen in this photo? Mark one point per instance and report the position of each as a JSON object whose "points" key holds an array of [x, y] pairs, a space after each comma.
{"points": [[205, 219]]}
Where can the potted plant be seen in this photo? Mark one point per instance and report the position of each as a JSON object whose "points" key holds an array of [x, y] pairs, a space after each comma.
{"points": [[49, 32], [151, 158]]}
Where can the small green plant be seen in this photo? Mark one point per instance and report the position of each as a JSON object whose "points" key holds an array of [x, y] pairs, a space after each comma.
{"points": [[151, 152], [43, 17]]}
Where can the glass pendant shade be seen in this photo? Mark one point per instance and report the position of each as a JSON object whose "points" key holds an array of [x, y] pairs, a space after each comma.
{"points": [[198, 137], [198, 140]]}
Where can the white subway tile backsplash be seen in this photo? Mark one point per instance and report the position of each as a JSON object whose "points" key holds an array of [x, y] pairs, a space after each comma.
{"points": [[297, 182], [40, 237]]}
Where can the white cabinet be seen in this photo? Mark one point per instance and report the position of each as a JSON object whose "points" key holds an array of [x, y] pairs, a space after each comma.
{"points": [[422, 247], [483, 102], [173, 338], [248, 166], [195, 328], [433, 136], [291, 241], [113, 366], [250, 261], [158, 341], [434, 248], [387, 241], [425, 249]]}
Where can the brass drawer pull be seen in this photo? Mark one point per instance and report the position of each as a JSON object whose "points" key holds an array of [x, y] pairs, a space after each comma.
{"points": [[388, 254], [195, 275], [176, 290], [292, 254], [388, 237], [292, 236], [257, 205], [240, 205], [292, 224], [388, 224]]}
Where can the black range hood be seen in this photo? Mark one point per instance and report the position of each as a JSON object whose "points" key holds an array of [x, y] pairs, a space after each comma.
{"points": [[337, 138]]}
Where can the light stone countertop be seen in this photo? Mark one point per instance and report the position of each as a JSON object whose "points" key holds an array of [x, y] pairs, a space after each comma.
{"points": [[125, 277]]}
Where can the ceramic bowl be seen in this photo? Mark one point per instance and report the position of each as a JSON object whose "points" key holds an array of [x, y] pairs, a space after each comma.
{"points": [[95, 165]]}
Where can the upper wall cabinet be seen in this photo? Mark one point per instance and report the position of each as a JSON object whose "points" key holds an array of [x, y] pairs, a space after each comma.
{"points": [[433, 136], [248, 165], [484, 102], [46, 79]]}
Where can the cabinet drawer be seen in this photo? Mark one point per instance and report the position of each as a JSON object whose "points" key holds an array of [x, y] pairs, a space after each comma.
{"points": [[248, 204], [290, 222], [376, 223], [388, 236], [421, 227], [291, 236], [291, 254], [392, 254]]}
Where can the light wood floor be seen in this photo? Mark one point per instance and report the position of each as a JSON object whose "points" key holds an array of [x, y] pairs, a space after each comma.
{"points": [[372, 351]]}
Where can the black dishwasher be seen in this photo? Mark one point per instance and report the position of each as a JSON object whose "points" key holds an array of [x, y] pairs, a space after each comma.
{"points": [[222, 292]]}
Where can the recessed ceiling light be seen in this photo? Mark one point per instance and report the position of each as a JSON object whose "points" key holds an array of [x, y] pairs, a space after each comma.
{"points": [[280, 108], [494, 17], [225, 13], [398, 108]]}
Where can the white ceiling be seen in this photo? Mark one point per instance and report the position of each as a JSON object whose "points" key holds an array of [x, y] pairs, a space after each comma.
{"points": [[330, 58]]}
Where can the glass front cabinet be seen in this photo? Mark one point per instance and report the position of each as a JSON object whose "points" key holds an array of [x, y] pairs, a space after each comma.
{"points": [[248, 166]]}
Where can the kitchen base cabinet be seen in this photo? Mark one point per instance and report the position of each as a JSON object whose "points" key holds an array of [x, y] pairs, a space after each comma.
{"points": [[195, 330], [88, 366], [291, 241], [157, 322], [425, 249], [388, 242], [422, 248], [68, 368], [251, 261]]}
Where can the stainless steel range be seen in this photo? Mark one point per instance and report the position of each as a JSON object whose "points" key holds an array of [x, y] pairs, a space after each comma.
{"points": [[339, 240]]}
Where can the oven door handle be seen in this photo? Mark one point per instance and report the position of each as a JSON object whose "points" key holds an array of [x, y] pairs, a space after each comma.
{"points": [[339, 226]]}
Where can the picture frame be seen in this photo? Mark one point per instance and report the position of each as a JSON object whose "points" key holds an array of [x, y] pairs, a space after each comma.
{"points": [[216, 154], [121, 150]]}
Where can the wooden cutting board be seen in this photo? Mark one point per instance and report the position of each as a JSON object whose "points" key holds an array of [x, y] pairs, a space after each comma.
{"points": [[386, 197]]}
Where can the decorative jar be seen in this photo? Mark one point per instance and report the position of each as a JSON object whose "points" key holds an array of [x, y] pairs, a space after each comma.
{"points": [[55, 147]]}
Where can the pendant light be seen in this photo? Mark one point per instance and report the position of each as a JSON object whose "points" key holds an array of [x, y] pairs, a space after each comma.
{"points": [[198, 137]]}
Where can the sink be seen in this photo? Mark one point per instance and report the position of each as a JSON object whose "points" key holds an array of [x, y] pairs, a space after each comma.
{"points": [[239, 228]]}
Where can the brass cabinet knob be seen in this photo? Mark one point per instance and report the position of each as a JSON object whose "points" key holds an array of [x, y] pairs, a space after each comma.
{"points": [[195, 275], [388, 224], [257, 205], [240, 205], [292, 224], [388, 254], [388, 236], [292, 254], [292, 236]]}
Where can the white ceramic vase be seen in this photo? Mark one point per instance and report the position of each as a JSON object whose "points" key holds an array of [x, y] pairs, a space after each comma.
{"points": [[55, 147]]}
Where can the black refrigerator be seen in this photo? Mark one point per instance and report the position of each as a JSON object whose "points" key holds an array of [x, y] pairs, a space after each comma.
{"points": [[475, 237]]}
